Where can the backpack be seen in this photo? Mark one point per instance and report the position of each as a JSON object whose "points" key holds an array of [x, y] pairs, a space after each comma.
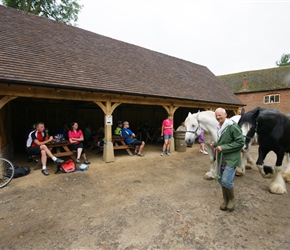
{"points": [[66, 167], [21, 171]]}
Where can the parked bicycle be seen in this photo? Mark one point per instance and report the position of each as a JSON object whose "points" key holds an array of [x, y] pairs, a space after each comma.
{"points": [[6, 172]]}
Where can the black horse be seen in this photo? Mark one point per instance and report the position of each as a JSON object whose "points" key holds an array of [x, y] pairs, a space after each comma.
{"points": [[273, 129]]}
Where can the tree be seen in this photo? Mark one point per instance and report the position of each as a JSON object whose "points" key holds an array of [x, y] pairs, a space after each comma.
{"points": [[284, 61], [65, 11]]}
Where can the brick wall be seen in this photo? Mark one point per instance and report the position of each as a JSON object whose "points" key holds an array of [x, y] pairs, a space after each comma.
{"points": [[253, 100]]}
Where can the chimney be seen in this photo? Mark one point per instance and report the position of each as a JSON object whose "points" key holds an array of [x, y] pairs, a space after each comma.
{"points": [[245, 83]]}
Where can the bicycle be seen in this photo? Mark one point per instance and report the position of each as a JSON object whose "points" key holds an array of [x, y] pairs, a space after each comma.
{"points": [[6, 172]]}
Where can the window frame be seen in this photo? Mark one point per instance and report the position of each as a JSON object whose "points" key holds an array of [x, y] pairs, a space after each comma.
{"points": [[271, 98]]}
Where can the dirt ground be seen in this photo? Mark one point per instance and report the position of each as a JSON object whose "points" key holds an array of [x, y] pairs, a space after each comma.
{"points": [[152, 202]]}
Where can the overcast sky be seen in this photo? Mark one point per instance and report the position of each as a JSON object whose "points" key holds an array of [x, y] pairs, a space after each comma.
{"points": [[225, 36]]}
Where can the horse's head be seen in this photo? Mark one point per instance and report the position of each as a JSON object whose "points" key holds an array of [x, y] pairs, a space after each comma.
{"points": [[245, 126], [193, 128], [247, 123]]}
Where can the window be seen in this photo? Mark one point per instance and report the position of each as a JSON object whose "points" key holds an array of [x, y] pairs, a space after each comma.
{"points": [[272, 98]]}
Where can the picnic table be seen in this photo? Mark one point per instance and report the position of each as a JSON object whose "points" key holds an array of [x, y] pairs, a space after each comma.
{"points": [[119, 143], [60, 149]]}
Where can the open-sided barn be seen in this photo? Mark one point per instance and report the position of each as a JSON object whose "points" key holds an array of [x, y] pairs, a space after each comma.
{"points": [[53, 72]]}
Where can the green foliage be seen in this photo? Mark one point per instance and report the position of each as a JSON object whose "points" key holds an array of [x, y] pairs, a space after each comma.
{"points": [[65, 11], [284, 61]]}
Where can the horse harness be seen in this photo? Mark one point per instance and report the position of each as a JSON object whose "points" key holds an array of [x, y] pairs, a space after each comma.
{"points": [[198, 127]]}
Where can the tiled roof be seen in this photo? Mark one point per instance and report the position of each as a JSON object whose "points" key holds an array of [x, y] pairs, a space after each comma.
{"points": [[39, 51], [259, 80]]}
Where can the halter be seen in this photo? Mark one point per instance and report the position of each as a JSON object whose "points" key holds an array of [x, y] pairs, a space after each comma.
{"points": [[249, 138], [198, 127], [250, 130]]}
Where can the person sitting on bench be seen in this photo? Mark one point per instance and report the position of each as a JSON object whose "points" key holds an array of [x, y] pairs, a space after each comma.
{"points": [[118, 129], [35, 145], [76, 138], [131, 140]]}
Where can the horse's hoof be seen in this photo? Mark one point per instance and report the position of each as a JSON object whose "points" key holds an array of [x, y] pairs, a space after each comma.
{"points": [[239, 171], [286, 176], [239, 174], [275, 188], [208, 178]]}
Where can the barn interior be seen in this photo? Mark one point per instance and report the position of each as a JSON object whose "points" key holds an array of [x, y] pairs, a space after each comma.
{"points": [[24, 112]]}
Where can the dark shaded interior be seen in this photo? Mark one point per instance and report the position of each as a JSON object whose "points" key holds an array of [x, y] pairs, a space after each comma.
{"points": [[28, 111]]}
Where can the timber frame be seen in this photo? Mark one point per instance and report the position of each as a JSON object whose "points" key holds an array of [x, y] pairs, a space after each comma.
{"points": [[41, 59], [108, 102], [11, 91]]}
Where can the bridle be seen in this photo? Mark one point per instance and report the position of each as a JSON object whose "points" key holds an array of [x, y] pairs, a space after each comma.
{"points": [[249, 136], [197, 128]]}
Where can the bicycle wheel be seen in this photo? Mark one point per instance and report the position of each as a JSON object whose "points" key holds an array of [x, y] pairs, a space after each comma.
{"points": [[6, 172]]}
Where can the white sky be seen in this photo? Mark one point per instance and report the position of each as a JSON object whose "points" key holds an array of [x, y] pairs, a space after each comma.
{"points": [[225, 36]]}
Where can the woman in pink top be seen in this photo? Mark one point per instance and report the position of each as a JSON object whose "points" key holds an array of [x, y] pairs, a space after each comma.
{"points": [[76, 138], [166, 132]]}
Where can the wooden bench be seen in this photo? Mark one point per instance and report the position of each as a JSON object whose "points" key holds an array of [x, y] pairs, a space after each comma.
{"points": [[118, 143], [57, 146], [121, 144]]}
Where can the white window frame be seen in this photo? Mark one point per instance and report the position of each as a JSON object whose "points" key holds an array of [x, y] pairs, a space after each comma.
{"points": [[273, 98]]}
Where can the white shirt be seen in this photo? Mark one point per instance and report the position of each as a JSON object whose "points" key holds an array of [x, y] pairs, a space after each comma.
{"points": [[181, 128]]}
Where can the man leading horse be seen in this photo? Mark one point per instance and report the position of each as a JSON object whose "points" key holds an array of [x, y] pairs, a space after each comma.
{"points": [[230, 141]]}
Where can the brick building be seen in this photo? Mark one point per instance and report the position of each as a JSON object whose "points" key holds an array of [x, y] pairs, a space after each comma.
{"points": [[267, 88]]}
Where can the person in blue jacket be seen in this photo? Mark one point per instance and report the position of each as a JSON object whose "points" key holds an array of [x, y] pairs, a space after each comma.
{"points": [[131, 140]]}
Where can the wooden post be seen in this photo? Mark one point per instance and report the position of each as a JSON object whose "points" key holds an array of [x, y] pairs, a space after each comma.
{"points": [[108, 108], [6, 149]]}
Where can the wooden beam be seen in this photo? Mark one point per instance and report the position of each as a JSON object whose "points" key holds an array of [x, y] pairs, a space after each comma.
{"points": [[15, 90], [5, 100]]}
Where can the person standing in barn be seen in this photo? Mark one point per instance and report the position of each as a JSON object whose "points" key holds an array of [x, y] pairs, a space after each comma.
{"points": [[201, 143], [228, 147], [166, 132]]}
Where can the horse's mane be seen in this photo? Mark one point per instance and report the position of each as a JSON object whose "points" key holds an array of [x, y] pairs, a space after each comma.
{"points": [[248, 116]]}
